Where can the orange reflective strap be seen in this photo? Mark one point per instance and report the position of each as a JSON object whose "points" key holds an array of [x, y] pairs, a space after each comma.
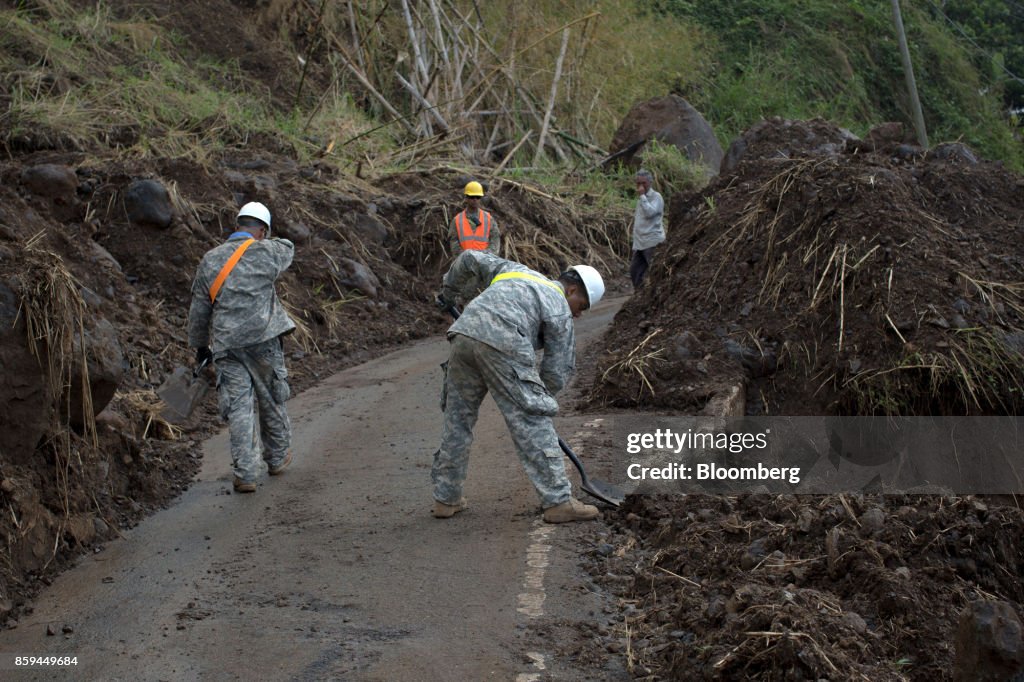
{"points": [[228, 267]]}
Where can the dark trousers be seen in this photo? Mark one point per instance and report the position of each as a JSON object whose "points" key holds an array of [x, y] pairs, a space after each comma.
{"points": [[639, 264]]}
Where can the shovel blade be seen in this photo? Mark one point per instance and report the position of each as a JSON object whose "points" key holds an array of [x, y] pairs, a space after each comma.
{"points": [[605, 492], [181, 392]]}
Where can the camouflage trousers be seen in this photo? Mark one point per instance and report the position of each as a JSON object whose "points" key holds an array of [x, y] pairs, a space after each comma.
{"points": [[252, 387], [474, 368]]}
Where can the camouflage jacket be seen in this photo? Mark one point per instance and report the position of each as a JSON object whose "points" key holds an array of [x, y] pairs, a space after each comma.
{"points": [[515, 316], [247, 309]]}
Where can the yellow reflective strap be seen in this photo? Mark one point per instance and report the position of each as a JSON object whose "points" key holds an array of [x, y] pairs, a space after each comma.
{"points": [[526, 275]]}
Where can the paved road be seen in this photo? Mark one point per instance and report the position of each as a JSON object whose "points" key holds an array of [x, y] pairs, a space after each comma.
{"points": [[335, 570]]}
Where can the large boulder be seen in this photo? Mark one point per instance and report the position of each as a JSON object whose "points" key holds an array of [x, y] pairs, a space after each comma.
{"points": [[147, 203], [670, 120], [25, 405]]}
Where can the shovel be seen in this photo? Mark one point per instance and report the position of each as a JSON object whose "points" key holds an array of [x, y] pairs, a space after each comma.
{"points": [[599, 490], [181, 392]]}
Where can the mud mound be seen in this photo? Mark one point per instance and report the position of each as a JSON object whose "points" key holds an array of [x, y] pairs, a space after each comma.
{"points": [[783, 587], [778, 138], [853, 282]]}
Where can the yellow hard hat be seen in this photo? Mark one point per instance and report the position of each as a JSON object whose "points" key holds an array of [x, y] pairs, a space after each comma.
{"points": [[474, 189]]}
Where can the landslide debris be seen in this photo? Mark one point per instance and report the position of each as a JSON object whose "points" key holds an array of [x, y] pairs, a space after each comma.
{"points": [[832, 275]]}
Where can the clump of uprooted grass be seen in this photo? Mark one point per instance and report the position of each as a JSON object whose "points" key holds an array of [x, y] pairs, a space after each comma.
{"points": [[148, 405], [54, 311]]}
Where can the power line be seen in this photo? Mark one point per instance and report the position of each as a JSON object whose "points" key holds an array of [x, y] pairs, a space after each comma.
{"points": [[961, 31]]}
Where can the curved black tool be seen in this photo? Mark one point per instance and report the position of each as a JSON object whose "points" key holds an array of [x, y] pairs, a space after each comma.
{"points": [[599, 490]]}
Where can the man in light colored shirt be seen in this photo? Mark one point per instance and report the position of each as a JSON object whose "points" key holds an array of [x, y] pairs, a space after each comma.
{"points": [[648, 230]]}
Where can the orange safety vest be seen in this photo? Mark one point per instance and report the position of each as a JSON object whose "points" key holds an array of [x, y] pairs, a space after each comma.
{"points": [[470, 239]]}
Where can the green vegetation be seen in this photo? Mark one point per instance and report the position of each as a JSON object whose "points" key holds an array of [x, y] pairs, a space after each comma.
{"points": [[78, 77], [840, 61]]}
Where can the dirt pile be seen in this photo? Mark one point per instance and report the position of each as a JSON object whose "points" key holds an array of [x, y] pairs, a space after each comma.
{"points": [[836, 587], [844, 277]]}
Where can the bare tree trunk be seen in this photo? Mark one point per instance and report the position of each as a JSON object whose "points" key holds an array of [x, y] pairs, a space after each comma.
{"points": [[551, 100]]}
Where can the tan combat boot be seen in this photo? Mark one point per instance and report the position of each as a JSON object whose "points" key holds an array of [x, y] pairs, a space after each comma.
{"points": [[242, 486], [446, 511], [279, 469], [573, 510]]}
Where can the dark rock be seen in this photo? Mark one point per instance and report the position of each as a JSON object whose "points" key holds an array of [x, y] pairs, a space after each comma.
{"points": [[685, 346], [961, 306], [872, 521], [758, 362], [51, 181], [989, 643], [357, 276], [670, 120], [105, 367], [908, 152], [370, 230], [102, 256], [148, 204], [754, 554], [854, 622], [50, 630], [25, 404], [296, 231], [953, 152]]}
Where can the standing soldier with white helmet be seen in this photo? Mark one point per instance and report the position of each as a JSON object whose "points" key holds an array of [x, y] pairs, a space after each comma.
{"points": [[493, 346], [234, 294], [474, 229]]}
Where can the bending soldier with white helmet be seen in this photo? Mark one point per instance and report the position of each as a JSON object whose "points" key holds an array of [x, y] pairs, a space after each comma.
{"points": [[237, 320], [493, 346]]}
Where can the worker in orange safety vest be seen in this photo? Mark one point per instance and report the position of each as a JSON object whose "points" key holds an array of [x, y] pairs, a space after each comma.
{"points": [[474, 229]]}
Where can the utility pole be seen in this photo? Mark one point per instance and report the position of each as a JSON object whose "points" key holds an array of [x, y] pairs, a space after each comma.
{"points": [[908, 71]]}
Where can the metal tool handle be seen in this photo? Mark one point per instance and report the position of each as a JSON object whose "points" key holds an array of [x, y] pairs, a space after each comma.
{"points": [[202, 365]]}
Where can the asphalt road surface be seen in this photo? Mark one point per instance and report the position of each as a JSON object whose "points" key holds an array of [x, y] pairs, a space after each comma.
{"points": [[335, 570]]}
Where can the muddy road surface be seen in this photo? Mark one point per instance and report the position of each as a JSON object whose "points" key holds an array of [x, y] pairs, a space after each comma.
{"points": [[335, 570]]}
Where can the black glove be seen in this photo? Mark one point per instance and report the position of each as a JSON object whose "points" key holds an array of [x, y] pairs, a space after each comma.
{"points": [[203, 355], [442, 303]]}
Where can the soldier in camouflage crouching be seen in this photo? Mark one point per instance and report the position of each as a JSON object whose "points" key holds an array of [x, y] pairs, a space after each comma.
{"points": [[234, 293], [493, 347]]}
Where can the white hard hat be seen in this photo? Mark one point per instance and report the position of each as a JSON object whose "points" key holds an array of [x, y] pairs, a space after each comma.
{"points": [[592, 281], [255, 209]]}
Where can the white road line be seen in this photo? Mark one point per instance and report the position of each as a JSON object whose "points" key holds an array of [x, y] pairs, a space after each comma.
{"points": [[531, 599]]}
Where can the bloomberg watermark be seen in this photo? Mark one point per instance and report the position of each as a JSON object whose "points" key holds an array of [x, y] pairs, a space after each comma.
{"points": [[896, 455]]}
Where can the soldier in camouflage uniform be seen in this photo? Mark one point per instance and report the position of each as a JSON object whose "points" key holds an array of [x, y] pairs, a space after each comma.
{"points": [[493, 347], [248, 322]]}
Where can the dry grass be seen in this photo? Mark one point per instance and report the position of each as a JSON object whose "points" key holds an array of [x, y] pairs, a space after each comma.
{"points": [[54, 312], [638, 362]]}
